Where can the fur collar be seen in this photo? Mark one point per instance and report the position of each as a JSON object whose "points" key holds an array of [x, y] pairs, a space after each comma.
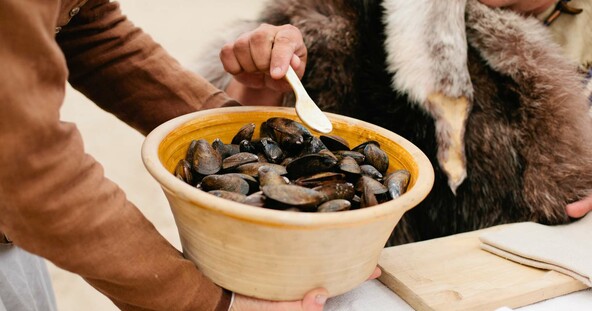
{"points": [[453, 77], [426, 45]]}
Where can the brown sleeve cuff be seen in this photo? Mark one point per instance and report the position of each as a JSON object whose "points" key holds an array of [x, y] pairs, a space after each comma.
{"points": [[4, 240], [225, 301], [219, 99]]}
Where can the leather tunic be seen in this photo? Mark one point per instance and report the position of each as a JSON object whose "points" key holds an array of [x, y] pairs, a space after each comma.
{"points": [[56, 201]]}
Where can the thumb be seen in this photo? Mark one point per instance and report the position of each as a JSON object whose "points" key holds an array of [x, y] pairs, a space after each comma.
{"points": [[579, 208], [315, 300]]}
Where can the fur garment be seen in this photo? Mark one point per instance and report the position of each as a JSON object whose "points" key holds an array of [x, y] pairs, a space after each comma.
{"points": [[483, 92]]}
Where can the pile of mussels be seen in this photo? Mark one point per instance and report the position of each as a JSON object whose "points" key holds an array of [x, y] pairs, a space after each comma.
{"points": [[288, 168]]}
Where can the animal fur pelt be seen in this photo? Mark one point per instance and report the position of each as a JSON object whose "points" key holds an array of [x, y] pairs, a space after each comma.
{"points": [[483, 92]]}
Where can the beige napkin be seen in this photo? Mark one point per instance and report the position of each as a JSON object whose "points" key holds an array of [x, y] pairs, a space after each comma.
{"points": [[565, 248]]}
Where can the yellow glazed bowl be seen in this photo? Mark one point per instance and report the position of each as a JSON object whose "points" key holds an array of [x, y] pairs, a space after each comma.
{"points": [[272, 254]]}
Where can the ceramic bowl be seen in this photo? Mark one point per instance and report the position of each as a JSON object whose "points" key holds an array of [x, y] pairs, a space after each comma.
{"points": [[274, 254]]}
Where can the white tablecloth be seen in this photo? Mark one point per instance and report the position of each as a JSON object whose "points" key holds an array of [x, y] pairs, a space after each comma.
{"points": [[374, 296]]}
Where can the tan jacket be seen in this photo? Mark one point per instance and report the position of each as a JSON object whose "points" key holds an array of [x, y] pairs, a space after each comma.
{"points": [[55, 199]]}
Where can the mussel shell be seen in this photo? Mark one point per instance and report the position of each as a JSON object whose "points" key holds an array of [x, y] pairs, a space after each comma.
{"points": [[312, 145], [359, 157], [238, 159], [252, 169], [269, 176], [233, 196], [334, 142], [191, 151], [337, 205], [244, 133], [329, 153], [355, 201], [293, 195], [272, 151], [247, 146], [368, 198], [285, 161], [252, 181], [288, 133], [262, 157], [288, 126], [318, 179], [206, 160], [349, 166], [371, 171], [376, 157], [225, 150], [360, 148], [183, 171], [371, 184], [265, 131], [255, 199], [310, 164], [225, 182], [333, 191], [397, 182]]}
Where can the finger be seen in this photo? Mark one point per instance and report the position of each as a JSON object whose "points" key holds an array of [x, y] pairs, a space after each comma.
{"points": [[252, 80], [295, 62], [287, 42], [261, 43], [375, 274], [280, 85], [242, 52], [315, 300], [580, 208], [229, 61]]}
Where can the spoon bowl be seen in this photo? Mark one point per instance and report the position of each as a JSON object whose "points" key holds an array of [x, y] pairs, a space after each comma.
{"points": [[306, 109]]}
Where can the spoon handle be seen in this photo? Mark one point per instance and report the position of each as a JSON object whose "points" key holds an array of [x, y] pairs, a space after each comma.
{"points": [[294, 81]]}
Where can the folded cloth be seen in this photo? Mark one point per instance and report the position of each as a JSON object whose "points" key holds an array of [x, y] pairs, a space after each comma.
{"points": [[563, 248]]}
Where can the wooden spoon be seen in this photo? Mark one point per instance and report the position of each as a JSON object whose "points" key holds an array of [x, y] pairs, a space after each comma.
{"points": [[306, 108]]}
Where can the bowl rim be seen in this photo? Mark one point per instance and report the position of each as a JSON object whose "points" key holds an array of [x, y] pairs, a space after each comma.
{"points": [[167, 181]]}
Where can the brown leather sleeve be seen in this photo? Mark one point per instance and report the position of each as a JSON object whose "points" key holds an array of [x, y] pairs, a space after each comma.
{"points": [[126, 73], [56, 201]]}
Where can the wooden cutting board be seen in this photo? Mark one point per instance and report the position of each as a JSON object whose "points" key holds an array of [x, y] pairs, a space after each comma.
{"points": [[453, 273]]}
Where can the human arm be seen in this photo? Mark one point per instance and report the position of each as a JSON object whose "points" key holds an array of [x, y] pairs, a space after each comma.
{"points": [[121, 69], [258, 61], [56, 201]]}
